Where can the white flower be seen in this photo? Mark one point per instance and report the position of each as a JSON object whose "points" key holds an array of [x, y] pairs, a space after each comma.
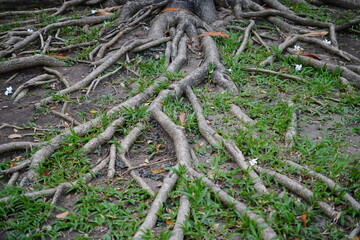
{"points": [[327, 42], [253, 162], [8, 90], [298, 67], [230, 70], [146, 28], [297, 48], [30, 30], [93, 11]]}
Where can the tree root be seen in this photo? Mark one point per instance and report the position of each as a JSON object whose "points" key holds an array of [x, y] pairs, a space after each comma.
{"points": [[183, 212], [13, 146], [336, 188], [28, 62], [215, 139], [66, 117], [245, 38], [305, 193]]}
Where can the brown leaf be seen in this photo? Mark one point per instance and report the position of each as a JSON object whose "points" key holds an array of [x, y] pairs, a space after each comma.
{"points": [[62, 215], [13, 164], [157, 171], [221, 34], [297, 238], [169, 222], [46, 172], [310, 56], [356, 238], [13, 136], [172, 9], [58, 55], [101, 12], [303, 219], [316, 34], [182, 117], [283, 69], [158, 147]]}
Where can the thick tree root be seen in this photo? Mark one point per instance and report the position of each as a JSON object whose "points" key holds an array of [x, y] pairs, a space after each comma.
{"points": [[28, 62]]}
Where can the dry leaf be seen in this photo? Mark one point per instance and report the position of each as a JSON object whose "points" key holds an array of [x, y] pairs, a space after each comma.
{"points": [[157, 171], [146, 160], [53, 108], [15, 130], [107, 11], [297, 238], [221, 34], [169, 222], [310, 56], [17, 158], [13, 164], [356, 238], [13, 136], [58, 55], [92, 111], [172, 9], [303, 219], [101, 12], [283, 69], [182, 117], [62, 215], [158, 147], [46, 172], [316, 34]]}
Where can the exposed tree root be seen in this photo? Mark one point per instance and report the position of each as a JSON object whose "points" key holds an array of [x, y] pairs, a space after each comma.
{"points": [[179, 27], [28, 62]]}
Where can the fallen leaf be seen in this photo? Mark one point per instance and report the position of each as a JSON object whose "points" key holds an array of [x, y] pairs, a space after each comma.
{"points": [[356, 238], [46, 172], [101, 12], [92, 111], [297, 238], [62, 215], [146, 160], [15, 130], [58, 55], [157, 171], [107, 11], [310, 56], [172, 9], [53, 108], [13, 136], [283, 69], [169, 222], [221, 34], [13, 164], [303, 219], [182, 117], [158, 147], [111, 216], [17, 158], [316, 34]]}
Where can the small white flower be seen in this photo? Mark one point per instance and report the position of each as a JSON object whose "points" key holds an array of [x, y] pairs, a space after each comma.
{"points": [[30, 30], [253, 162], [146, 28], [327, 42], [230, 70], [93, 11], [8, 91], [298, 67], [297, 47]]}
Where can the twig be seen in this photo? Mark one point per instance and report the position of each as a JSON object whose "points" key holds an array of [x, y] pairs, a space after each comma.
{"points": [[284, 75], [146, 165], [66, 117]]}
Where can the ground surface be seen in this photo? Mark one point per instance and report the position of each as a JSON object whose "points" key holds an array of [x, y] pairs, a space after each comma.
{"points": [[328, 141]]}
